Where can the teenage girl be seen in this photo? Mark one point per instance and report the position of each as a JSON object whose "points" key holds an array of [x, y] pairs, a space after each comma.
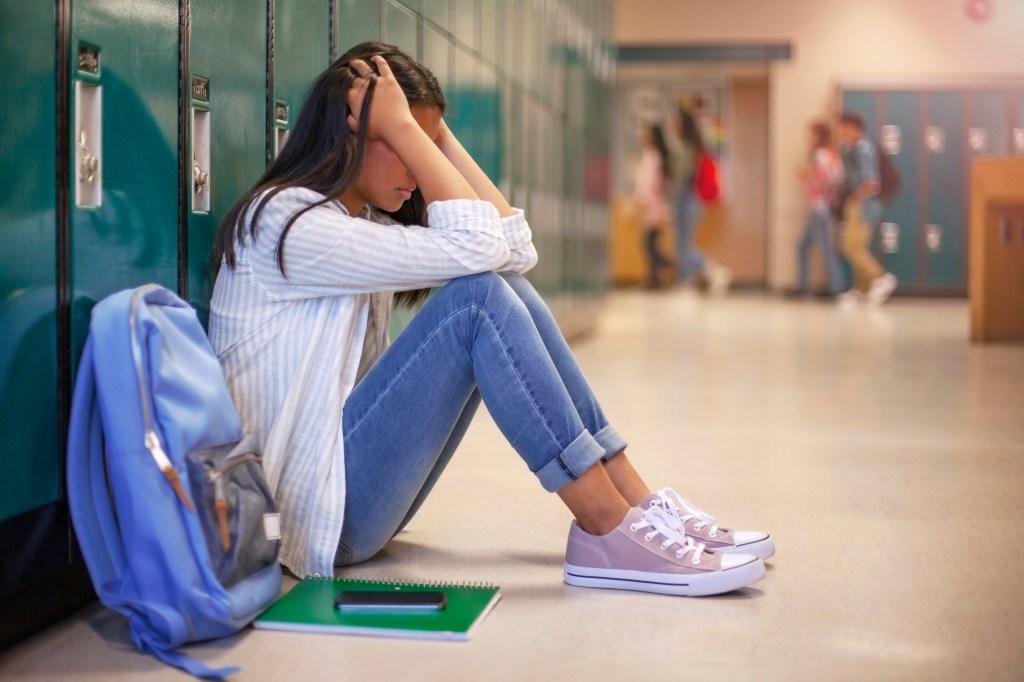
{"points": [[374, 199], [650, 187], [821, 178]]}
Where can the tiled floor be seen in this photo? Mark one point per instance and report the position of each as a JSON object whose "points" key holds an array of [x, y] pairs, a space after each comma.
{"points": [[884, 452]]}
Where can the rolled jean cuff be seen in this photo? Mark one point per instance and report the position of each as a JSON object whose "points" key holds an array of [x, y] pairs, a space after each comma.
{"points": [[566, 467], [611, 441]]}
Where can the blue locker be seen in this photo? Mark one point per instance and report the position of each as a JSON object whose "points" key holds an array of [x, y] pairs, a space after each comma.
{"points": [[302, 50], [898, 136], [227, 124], [944, 232], [357, 21], [30, 485], [401, 27]]}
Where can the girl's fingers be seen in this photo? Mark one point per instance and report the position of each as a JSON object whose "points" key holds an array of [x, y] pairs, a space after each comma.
{"points": [[360, 67]]}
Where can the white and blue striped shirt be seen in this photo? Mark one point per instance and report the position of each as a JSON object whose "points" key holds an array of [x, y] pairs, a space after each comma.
{"points": [[291, 345]]}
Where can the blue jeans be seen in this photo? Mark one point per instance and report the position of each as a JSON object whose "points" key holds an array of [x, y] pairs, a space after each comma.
{"points": [[818, 228], [691, 260], [488, 336]]}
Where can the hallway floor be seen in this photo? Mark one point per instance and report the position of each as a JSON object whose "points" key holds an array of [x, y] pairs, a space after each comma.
{"points": [[883, 452]]}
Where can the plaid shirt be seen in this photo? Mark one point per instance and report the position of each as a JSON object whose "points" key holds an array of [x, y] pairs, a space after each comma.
{"points": [[861, 165]]}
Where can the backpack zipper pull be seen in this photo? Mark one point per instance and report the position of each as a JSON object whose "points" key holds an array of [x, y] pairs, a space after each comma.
{"points": [[164, 464], [220, 506]]}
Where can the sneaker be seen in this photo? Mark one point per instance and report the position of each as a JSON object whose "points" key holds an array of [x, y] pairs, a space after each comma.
{"points": [[644, 553], [849, 299], [719, 279], [882, 288], [701, 527]]}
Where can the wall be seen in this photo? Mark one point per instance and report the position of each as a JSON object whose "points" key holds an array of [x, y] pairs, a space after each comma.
{"points": [[876, 41]]}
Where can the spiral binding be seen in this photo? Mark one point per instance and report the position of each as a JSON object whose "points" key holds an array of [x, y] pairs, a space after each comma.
{"points": [[430, 584]]}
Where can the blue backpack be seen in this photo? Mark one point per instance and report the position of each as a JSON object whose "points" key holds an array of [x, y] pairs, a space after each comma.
{"points": [[168, 499]]}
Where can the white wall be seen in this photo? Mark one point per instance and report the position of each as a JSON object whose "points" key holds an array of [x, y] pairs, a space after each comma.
{"points": [[833, 40]]}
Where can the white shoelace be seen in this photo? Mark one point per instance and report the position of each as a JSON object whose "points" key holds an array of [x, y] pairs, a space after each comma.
{"points": [[679, 507], [661, 522]]}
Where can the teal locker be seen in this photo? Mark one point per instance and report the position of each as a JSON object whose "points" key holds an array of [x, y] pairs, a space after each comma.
{"points": [[944, 233], [464, 23], [436, 55], [898, 135], [437, 11], [124, 94], [356, 22], [401, 27], [492, 30], [988, 129], [227, 124], [302, 51], [464, 100], [28, 356]]}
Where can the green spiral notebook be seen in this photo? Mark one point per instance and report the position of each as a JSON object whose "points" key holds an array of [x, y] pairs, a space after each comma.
{"points": [[309, 607]]}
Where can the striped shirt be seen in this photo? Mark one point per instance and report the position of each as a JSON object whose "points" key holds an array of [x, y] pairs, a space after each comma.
{"points": [[291, 346]]}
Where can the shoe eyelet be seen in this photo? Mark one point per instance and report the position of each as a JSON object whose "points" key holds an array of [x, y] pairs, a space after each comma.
{"points": [[713, 534], [632, 527], [648, 537], [695, 562]]}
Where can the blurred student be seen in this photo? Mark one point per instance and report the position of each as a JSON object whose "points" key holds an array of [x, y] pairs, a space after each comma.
{"points": [[862, 214], [650, 197], [822, 178], [693, 264]]}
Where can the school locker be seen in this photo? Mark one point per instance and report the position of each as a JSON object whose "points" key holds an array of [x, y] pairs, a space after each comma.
{"points": [[31, 520], [226, 118], [124, 151], [401, 27], [356, 22], [302, 50], [898, 137], [945, 185]]}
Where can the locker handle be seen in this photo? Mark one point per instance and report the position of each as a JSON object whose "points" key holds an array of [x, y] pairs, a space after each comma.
{"points": [[199, 178], [89, 164]]}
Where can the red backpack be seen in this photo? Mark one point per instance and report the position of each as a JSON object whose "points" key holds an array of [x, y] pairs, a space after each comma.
{"points": [[706, 177]]}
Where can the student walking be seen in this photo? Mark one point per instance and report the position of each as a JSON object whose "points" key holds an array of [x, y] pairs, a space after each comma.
{"points": [[693, 264], [649, 195], [862, 214], [822, 178], [373, 199]]}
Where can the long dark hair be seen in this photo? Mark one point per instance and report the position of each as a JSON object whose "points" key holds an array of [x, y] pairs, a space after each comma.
{"points": [[323, 155], [822, 135], [690, 132], [658, 142]]}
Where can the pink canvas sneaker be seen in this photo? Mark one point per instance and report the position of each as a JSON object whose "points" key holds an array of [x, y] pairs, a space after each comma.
{"points": [[644, 553], [702, 527]]}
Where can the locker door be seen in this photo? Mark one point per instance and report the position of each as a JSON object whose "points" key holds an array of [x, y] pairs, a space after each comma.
{"points": [[944, 233], [898, 136], [436, 54], [357, 22], [301, 52], [227, 124], [401, 27], [124, 219], [987, 127], [32, 534]]}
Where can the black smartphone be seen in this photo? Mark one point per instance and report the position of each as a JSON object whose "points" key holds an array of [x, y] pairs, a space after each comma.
{"points": [[392, 600]]}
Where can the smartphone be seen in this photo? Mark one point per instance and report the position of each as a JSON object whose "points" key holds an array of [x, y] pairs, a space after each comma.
{"points": [[395, 600]]}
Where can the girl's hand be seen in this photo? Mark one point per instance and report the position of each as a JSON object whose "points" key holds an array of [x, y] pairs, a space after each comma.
{"points": [[389, 109]]}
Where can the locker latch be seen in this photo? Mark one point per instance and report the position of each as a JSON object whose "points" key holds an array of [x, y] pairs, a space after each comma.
{"points": [[199, 178], [88, 164]]}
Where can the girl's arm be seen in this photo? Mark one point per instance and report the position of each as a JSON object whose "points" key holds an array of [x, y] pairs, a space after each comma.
{"points": [[471, 171], [522, 253]]}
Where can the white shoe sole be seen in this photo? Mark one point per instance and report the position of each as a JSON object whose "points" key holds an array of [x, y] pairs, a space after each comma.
{"points": [[762, 549], [692, 585]]}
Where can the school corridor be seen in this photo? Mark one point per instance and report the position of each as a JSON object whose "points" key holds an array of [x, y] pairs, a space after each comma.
{"points": [[884, 453]]}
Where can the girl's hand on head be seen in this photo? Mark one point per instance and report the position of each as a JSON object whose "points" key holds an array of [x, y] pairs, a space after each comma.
{"points": [[389, 109]]}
